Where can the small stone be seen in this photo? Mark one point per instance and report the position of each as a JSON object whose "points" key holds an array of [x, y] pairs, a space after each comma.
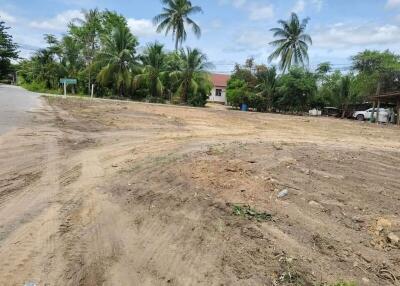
{"points": [[314, 204], [357, 219], [394, 239], [283, 193], [365, 280]]}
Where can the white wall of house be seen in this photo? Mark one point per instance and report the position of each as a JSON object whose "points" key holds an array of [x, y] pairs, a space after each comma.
{"points": [[218, 94]]}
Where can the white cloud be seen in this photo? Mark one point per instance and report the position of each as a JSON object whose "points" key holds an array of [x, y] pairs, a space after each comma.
{"points": [[261, 12], [4, 16], [59, 22], [318, 4], [343, 36], [392, 4], [256, 10], [216, 24], [299, 6], [253, 39], [142, 27], [234, 3]]}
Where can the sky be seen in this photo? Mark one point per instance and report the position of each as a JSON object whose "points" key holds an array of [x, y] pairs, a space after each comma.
{"points": [[232, 30]]}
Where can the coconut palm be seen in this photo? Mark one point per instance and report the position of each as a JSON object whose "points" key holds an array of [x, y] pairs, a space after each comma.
{"points": [[88, 32], [154, 64], [193, 72], [117, 58], [291, 43], [72, 61], [174, 17]]}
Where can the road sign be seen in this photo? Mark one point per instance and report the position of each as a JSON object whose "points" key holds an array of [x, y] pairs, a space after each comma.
{"points": [[68, 81]]}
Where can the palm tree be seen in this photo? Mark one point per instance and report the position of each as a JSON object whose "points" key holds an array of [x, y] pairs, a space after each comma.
{"points": [[117, 58], [174, 17], [193, 72], [154, 62], [72, 60], [88, 33], [292, 43]]}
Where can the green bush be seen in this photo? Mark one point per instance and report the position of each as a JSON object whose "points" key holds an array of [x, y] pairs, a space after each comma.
{"points": [[38, 87], [343, 284], [198, 100]]}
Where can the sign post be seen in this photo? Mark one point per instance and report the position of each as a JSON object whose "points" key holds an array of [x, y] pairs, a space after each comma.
{"points": [[92, 91], [65, 82], [65, 90]]}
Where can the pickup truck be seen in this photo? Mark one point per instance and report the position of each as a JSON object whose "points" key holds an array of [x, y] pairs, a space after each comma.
{"points": [[366, 115]]}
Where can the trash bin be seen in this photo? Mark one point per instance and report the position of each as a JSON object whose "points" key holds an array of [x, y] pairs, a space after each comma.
{"points": [[244, 107]]}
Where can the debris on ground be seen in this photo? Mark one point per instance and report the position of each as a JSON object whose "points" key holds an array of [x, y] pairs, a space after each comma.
{"points": [[283, 194]]}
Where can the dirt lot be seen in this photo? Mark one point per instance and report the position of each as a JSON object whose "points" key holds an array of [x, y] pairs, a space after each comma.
{"points": [[100, 193]]}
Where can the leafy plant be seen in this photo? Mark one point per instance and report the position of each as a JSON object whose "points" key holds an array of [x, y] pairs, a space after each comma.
{"points": [[250, 213]]}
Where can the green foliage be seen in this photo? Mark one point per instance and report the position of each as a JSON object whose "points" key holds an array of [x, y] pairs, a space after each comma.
{"points": [[291, 43], [237, 92], [250, 213], [101, 49], [343, 284], [175, 17], [117, 58], [374, 67], [191, 77], [295, 90], [150, 76], [8, 51]]}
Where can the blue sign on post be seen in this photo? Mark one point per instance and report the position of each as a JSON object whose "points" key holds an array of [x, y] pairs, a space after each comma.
{"points": [[66, 81]]}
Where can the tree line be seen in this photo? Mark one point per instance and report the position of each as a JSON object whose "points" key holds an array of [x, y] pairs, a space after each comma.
{"points": [[100, 49], [296, 88]]}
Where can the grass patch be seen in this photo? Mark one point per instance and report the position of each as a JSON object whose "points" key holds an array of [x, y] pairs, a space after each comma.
{"points": [[248, 212], [39, 87]]}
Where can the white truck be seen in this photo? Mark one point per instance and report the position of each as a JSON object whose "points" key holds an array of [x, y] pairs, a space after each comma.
{"points": [[367, 114]]}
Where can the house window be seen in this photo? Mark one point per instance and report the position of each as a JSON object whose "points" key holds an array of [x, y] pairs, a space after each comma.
{"points": [[218, 92]]}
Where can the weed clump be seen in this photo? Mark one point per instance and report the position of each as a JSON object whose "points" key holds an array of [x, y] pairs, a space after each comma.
{"points": [[250, 213]]}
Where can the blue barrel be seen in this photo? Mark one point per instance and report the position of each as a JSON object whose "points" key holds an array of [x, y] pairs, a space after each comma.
{"points": [[244, 107]]}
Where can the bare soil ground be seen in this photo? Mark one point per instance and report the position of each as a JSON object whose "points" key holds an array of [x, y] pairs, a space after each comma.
{"points": [[103, 193]]}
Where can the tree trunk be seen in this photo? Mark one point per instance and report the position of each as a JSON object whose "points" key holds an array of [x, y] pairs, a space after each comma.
{"points": [[90, 83], [344, 110], [176, 44]]}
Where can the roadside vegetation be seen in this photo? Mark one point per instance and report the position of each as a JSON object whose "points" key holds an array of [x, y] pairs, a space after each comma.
{"points": [[8, 52], [292, 87], [101, 50]]}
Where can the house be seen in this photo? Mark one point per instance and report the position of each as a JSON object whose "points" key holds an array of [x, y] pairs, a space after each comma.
{"points": [[218, 93]]}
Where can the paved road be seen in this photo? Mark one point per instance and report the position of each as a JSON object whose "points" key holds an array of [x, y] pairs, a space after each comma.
{"points": [[15, 104]]}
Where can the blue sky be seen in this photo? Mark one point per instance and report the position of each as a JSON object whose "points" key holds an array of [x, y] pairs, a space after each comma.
{"points": [[232, 29]]}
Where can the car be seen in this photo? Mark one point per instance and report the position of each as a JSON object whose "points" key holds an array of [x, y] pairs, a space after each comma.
{"points": [[366, 115], [331, 111]]}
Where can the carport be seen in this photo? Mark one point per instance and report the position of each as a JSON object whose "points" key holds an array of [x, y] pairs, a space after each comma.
{"points": [[390, 97]]}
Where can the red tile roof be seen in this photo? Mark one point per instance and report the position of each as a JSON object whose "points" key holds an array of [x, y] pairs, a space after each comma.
{"points": [[220, 80]]}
